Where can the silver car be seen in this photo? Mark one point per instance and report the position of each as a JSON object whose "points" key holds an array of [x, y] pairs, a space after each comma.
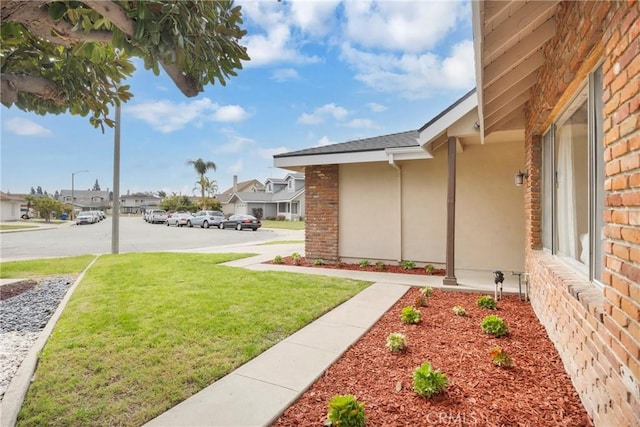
{"points": [[205, 219]]}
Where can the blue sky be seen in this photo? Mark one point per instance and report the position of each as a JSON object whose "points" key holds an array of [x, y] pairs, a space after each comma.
{"points": [[321, 72]]}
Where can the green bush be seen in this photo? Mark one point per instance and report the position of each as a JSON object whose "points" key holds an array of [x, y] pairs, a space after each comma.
{"points": [[346, 411], [426, 291], [501, 358], [318, 262], [485, 301], [296, 258], [364, 263], [410, 315], [380, 265], [408, 265], [429, 269], [494, 325], [396, 341], [427, 382], [278, 259]]}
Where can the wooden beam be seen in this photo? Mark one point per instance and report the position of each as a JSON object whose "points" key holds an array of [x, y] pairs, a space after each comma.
{"points": [[524, 70], [519, 53], [450, 277], [506, 96], [493, 117], [513, 121]]}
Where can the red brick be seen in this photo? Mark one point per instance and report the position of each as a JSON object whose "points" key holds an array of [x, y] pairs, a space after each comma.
{"points": [[631, 308], [631, 199], [620, 217], [631, 235], [630, 271], [634, 180]]}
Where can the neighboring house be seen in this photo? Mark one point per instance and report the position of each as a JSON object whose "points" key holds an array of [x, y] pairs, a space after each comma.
{"points": [[137, 203], [277, 198], [10, 206], [250, 186], [86, 200], [558, 84]]}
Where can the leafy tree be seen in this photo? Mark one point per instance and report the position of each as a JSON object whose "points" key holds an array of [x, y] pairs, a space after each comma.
{"points": [[46, 206], [201, 167], [178, 203], [72, 56], [56, 195], [32, 191], [39, 191], [162, 194], [96, 186], [212, 204]]}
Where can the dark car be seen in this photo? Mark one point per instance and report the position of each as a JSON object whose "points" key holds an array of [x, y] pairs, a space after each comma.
{"points": [[240, 222]]}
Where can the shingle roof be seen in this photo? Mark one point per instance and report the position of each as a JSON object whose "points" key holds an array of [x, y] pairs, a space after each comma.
{"points": [[377, 143]]}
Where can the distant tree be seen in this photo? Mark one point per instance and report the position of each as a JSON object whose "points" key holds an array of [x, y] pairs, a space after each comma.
{"points": [[32, 191], [56, 195], [46, 206], [72, 56], [201, 167], [96, 186], [162, 194], [212, 204], [39, 191], [178, 203]]}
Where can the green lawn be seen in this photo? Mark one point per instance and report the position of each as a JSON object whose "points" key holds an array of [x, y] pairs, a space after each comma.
{"points": [[289, 225], [16, 227], [281, 242], [44, 267], [143, 332]]}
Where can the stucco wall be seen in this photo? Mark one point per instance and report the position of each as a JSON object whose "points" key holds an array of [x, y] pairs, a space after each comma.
{"points": [[489, 212]]}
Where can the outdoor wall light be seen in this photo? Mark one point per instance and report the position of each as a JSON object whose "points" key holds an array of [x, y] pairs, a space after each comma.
{"points": [[520, 177]]}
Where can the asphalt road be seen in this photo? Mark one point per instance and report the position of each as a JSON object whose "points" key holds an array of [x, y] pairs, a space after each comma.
{"points": [[135, 236]]}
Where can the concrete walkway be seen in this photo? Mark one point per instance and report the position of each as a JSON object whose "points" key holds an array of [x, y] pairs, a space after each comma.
{"points": [[258, 392]]}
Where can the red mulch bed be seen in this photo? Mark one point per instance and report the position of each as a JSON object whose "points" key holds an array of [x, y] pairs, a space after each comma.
{"points": [[13, 289], [536, 391], [388, 268]]}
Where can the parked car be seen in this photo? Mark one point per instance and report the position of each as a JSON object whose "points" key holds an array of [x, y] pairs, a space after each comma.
{"points": [[240, 222], [85, 217], [179, 219], [158, 216], [205, 219]]}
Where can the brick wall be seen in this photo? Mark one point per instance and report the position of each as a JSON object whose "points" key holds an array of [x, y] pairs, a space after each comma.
{"points": [[321, 203], [597, 333]]}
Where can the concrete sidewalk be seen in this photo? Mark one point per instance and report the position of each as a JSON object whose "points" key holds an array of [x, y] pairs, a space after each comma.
{"points": [[258, 392]]}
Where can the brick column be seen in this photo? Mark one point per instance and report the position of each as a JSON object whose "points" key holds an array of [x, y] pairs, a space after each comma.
{"points": [[321, 212]]}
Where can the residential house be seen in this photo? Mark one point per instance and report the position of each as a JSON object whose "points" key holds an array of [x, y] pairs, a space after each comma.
{"points": [[277, 198], [11, 206], [555, 110], [86, 200], [137, 203], [250, 186]]}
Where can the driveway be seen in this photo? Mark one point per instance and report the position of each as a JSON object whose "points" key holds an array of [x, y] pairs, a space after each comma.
{"points": [[135, 236]]}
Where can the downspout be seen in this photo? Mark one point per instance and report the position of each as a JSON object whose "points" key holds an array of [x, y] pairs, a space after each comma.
{"points": [[394, 165]]}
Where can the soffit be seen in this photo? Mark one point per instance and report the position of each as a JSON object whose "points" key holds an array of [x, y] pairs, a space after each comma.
{"points": [[508, 40]]}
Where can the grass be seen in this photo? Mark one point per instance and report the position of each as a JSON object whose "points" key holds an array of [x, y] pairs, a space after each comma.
{"points": [[288, 225], [282, 242], [44, 267], [143, 332], [4, 227]]}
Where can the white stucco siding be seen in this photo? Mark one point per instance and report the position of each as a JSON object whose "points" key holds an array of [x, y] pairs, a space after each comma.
{"points": [[424, 211], [490, 208], [369, 222]]}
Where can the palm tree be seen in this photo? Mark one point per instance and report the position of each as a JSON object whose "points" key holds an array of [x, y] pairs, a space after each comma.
{"points": [[201, 167]]}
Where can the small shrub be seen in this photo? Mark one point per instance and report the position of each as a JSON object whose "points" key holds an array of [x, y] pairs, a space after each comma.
{"points": [[346, 411], [426, 291], [420, 301], [396, 341], [380, 265], [459, 310], [318, 262], [408, 265], [429, 269], [410, 315], [296, 258], [364, 263], [500, 358], [494, 325], [278, 259], [486, 301], [427, 382]]}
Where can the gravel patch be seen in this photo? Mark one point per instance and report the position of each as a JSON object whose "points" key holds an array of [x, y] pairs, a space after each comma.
{"points": [[22, 319]]}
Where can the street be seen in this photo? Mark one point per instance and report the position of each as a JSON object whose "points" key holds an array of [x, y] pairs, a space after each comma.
{"points": [[135, 236]]}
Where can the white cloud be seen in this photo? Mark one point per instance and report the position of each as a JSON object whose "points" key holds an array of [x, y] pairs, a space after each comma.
{"points": [[361, 123], [407, 26], [285, 75], [230, 113], [26, 127], [236, 168], [315, 17], [167, 116], [236, 143], [324, 141], [375, 107], [322, 113]]}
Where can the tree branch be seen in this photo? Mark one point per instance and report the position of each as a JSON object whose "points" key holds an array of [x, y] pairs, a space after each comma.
{"points": [[12, 84], [113, 13], [185, 83]]}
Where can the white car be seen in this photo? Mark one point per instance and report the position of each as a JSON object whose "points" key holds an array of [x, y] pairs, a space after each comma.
{"points": [[85, 218], [158, 216], [179, 219]]}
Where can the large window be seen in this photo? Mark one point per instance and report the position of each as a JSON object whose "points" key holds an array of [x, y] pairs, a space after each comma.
{"points": [[573, 181]]}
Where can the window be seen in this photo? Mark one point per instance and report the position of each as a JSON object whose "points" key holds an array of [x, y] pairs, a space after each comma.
{"points": [[573, 181], [290, 184], [294, 208]]}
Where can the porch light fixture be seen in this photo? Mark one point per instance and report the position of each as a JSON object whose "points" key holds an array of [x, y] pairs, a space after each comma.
{"points": [[520, 177]]}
